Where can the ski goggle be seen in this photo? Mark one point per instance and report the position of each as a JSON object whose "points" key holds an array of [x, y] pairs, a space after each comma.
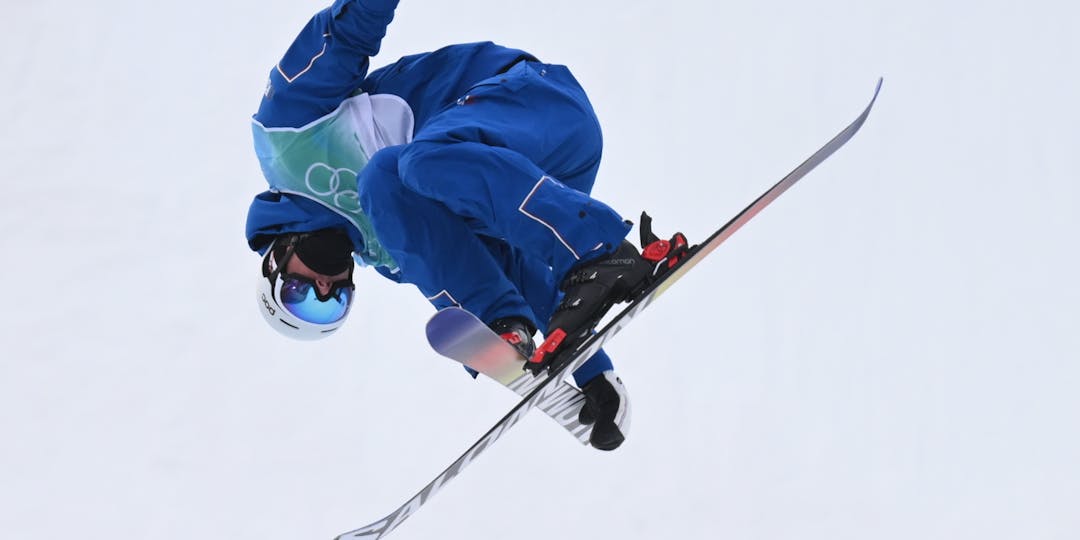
{"points": [[300, 296]]}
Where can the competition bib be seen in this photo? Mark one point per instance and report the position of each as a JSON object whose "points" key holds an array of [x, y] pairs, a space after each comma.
{"points": [[320, 161]]}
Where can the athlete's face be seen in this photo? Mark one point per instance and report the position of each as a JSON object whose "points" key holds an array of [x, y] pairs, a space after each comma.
{"points": [[323, 282]]}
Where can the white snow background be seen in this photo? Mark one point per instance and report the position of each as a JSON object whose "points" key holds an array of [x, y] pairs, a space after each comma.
{"points": [[889, 351]]}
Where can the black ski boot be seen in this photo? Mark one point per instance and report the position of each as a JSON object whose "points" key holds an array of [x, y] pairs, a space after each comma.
{"points": [[518, 332], [591, 289], [607, 408]]}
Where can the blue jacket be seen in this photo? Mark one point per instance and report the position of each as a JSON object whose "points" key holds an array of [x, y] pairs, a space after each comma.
{"points": [[333, 53]]}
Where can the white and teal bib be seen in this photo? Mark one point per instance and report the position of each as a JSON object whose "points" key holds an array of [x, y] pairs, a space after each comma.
{"points": [[320, 161]]}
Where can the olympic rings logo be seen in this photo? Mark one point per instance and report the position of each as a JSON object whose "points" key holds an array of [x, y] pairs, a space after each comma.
{"points": [[325, 181]]}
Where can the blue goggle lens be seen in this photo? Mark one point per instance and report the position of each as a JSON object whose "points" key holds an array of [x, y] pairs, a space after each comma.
{"points": [[300, 299]]}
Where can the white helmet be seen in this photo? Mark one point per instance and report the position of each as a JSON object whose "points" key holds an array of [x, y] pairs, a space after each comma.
{"points": [[291, 303]]}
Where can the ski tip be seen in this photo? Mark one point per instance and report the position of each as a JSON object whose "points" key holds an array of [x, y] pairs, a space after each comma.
{"points": [[877, 90], [442, 328]]}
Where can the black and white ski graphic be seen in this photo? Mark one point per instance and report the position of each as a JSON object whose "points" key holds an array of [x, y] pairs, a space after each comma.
{"points": [[460, 336], [546, 388]]}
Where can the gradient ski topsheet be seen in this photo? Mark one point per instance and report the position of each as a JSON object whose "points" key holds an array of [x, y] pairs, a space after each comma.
{"points": [[460, 336]]}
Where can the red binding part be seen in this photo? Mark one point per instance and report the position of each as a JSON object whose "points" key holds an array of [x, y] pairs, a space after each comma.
{"points": [[656, 251], [549, 346], [680, 245]]}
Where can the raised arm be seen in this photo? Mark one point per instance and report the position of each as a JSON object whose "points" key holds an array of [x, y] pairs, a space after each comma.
{"points": [[326, 63]]}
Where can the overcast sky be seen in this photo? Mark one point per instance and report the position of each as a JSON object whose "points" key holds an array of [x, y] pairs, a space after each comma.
{"points": [[889, 351]]}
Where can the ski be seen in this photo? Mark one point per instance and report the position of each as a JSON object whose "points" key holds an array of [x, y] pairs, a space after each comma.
{"points": [[545, 389], [460, 336]]}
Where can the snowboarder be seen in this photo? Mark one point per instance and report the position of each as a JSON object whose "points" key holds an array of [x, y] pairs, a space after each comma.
{"points": [[465, 171]]}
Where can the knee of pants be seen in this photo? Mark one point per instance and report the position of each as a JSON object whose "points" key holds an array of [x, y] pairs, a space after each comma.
{"points": [[425, 165], [417, 160], [379, 186]]}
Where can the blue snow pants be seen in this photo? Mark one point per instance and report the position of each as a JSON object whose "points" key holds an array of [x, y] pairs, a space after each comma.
{"points": [[488, 207]]}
